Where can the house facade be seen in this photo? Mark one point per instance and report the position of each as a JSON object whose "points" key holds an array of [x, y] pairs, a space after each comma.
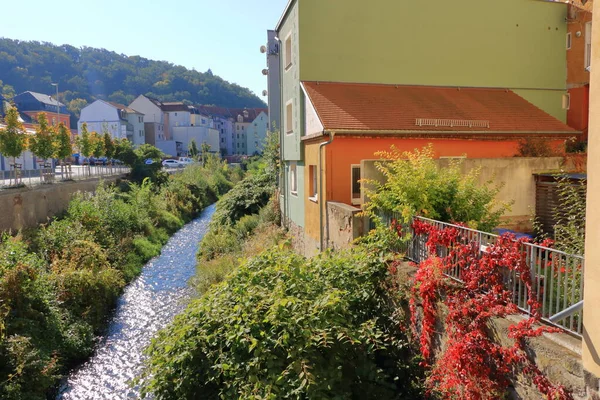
{"points": [[344, 54], [120, 121], [256, 134], [32, 103]]}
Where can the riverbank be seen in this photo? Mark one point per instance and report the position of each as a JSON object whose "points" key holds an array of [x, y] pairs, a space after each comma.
{"points": [[59, 284]]}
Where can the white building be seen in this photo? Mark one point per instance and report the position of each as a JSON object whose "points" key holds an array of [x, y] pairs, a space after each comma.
{"points": [[256, 134], [120, 121]]}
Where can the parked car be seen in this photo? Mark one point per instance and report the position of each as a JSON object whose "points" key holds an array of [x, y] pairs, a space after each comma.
{"points": [[171, 163], [185, 161]]}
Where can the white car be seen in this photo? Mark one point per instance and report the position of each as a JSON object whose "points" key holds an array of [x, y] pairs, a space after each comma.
{"points": [[185, 161], [171, 164]]}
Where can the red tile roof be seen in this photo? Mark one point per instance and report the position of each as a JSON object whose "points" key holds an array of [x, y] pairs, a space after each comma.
{"points": [[371, 107]]}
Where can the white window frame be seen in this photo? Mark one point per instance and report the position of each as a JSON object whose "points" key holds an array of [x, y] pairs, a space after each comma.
{"points": [[314, 179], [588, 46], [289, 117], [566, 101], [288, 52], [569, 41], [293, 178], [354, 200]]}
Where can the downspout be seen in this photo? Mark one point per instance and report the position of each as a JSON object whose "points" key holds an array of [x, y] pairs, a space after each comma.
{"points": [[321, 194]]}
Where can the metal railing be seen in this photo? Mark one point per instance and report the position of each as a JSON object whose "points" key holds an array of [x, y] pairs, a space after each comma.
{"points": [[34, 177], [557, 277]]}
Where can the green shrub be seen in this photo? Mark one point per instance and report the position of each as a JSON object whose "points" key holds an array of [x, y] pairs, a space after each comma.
{"points": [[281, 326], [246, 198], [414, 184], [218, 241], [271, 213], [145, 248], [246, 225]]}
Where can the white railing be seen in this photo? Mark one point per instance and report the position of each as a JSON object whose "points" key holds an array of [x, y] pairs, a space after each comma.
{"points": [[45, 176]]}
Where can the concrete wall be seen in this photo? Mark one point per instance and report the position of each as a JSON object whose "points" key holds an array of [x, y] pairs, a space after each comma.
{"points": [[274, 80], [344, 225], [200, 134], [28, 207], [516, 44]]}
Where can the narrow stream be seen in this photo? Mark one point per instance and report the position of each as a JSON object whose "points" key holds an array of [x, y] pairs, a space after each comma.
{"points": [[148, 304]]}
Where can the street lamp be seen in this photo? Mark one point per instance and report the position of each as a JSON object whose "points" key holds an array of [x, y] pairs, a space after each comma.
{"points": [[57, 104]]}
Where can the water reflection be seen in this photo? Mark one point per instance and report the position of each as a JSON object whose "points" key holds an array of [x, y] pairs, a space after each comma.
{"points": [[148, 304]]}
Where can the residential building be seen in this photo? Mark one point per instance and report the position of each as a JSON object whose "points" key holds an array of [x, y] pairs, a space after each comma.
{"points": [[156, 124], [120, 121], [350, 87], [32, 103], [256, 134], [579, 53]]}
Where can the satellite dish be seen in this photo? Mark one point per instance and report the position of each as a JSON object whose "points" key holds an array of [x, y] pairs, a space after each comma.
{"points": [[263, 49], [265, 93], [265, 71]]}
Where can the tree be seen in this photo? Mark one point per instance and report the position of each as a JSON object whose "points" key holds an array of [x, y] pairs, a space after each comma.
{"points": [[13, 138], [63, 148], [97, 145], [85, 144], [193, 148], [42, 144], [109, 147], [205, 150]]}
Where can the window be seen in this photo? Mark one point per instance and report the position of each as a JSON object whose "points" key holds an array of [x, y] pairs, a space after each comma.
{"points": [[588, 45], [569, 41], [313, 190], [566, 101], [175, 114], [222, 130], [355, 176], [293, 179], [289, 128], [242, 127], [238, 127], [288, 52]]}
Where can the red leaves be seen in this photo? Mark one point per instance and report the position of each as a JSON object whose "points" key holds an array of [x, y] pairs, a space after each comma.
{"points": [[473, 366]]}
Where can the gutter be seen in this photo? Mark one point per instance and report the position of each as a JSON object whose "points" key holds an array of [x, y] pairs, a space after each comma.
{"points": [[321, 194]]}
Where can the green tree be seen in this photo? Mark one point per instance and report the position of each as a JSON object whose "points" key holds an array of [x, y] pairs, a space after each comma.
{"points": [[109, 147], [13, 138], [85, 144], [75, 106], [205, 151], [63, 148], [193, 148], [97, 145], [43, 143]]}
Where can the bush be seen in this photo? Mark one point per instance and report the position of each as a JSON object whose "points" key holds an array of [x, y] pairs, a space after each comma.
{"points": [[282, 326], [246, 198], [246, 225], [416, 185], [218, 241]]}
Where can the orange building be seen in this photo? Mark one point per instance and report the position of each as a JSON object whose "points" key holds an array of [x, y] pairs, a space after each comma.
{"points": [[347, 124], [579, 45], [64, 118]]}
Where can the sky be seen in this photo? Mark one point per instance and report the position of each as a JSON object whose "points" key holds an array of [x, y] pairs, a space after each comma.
{"points": [[223, 35]]}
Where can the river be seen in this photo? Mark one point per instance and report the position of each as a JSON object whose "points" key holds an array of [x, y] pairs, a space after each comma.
{"points": [[148, 304]]}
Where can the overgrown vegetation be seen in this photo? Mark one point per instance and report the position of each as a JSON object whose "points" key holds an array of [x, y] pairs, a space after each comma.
{"points": [[58, 287], [270, 324], [416, 185], [282, 326]]}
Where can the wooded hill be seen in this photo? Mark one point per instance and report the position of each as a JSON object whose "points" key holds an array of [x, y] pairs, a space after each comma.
{"points": [[87, 74]]}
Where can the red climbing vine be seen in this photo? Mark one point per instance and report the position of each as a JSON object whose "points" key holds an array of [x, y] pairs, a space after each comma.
{"points": [[472, 365]]}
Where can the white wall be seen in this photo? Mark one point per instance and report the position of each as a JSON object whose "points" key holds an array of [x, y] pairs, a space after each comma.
{"points": [[100, 116], [200, 134], [139, 134], [169, 147], [256, 134], [152, 113], [179, 118]]}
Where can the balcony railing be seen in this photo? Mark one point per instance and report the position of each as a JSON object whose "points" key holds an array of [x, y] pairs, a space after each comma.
{"points": [[557, 277]]}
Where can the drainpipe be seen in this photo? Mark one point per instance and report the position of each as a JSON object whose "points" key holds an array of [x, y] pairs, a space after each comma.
{"points": [[321, 194]]}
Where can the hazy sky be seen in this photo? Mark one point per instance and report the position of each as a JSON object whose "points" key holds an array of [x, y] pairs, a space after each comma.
{"points": [[223, 35]]}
